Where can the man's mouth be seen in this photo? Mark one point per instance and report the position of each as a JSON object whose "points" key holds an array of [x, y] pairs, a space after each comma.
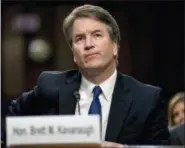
{"points": [[91, 55]]}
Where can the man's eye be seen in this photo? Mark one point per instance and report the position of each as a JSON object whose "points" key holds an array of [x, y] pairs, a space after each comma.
{"points": [[98, 35], [79, 39]]}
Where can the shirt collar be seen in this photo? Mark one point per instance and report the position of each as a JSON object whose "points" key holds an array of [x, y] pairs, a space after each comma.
{"points": [[107, 86]]}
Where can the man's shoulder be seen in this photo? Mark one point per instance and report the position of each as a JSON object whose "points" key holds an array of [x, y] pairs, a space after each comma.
{"points": [[137, 85], [51, 81], [142, 92], [55, 74]]}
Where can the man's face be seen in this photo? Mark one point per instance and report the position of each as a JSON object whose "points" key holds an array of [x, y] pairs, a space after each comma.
{"points": [[92, 45]]}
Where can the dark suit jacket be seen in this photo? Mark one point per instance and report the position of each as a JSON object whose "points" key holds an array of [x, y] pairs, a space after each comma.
{"points": [[137, 114], [177, 135]]}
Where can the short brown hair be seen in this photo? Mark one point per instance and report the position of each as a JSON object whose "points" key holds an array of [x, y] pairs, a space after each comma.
{"points": [[91, 11]]}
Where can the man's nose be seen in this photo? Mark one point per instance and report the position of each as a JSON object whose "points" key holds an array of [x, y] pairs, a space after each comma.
{"points": [[88, 43]]}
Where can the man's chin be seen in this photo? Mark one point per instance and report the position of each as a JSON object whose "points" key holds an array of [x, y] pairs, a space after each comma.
{"points": [[93, 70], [93, 67]]}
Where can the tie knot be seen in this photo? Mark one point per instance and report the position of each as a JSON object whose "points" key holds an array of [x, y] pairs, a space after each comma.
{"points": [[97, 91]]}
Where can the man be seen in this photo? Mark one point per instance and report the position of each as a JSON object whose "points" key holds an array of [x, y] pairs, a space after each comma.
{"points": [[131, 113], [177, 135]]}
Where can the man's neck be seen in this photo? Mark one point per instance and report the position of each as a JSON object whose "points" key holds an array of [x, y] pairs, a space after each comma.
{"points": [[98, 76]]}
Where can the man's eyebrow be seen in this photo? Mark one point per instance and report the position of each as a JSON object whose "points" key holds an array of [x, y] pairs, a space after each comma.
{"points": [[82, 34], [79, 35], [97, 30]]}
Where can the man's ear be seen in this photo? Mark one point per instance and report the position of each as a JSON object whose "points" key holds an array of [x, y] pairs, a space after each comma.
{"points": [[115, 49], [74, 59]]}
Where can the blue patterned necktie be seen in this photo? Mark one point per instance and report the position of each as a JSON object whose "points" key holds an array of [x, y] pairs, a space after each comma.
{"points": [[95, 107]]}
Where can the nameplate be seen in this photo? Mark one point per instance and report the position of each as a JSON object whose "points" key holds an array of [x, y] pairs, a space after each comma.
{"points": [[33, 130]]}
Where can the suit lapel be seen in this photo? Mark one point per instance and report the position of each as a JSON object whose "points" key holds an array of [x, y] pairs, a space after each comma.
{"points": [[67, 101], [121, 103]]}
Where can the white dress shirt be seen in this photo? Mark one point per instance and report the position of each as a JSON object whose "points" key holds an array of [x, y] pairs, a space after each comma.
{"points": [[86, 97]]}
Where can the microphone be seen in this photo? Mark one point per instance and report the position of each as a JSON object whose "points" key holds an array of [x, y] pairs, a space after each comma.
{"points": [[77, 97]]}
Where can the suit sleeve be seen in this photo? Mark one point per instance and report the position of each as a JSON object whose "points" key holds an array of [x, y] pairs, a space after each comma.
{"points": [[25, 104], [156, 128], [28, 103]]}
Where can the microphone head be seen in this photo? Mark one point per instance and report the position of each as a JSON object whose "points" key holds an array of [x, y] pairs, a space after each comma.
{"points": [[76, 95]]}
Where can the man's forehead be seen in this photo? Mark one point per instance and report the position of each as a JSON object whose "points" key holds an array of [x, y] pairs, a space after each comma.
{"points": [[89, 25]]}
